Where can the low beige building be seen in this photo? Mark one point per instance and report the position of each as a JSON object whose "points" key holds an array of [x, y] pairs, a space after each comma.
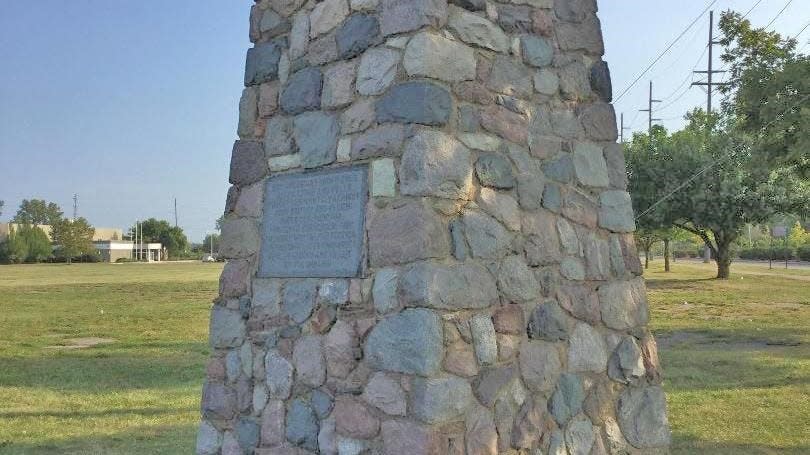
{"points": [[113, 250], [101, 233]]}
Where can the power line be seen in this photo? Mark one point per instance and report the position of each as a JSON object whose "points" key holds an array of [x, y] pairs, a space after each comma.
{"points": [[779, 13], [710, 84], [665, 51]]}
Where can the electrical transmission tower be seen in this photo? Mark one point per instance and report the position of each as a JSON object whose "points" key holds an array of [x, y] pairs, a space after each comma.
{"points": [[710, 71], [649, 111]]}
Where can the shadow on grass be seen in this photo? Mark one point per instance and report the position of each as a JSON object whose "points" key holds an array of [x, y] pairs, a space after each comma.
{"points": [[144, 412], [160, 439], [690, 445], [104, 372]]}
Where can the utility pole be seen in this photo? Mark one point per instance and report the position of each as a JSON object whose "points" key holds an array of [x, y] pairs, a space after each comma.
{"points": [[649, 111], [710, 71], [622, 129], [75, 206], [175, 212]]}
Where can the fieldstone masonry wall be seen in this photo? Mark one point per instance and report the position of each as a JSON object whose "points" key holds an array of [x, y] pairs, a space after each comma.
{"points": [[499, 308]]}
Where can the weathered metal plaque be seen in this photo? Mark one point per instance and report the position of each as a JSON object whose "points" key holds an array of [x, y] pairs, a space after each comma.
{"points": [[313, 224]]}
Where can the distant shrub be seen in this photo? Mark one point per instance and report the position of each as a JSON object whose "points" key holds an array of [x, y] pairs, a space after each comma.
{"points": [[120, 260], [763, 254], [803, 252]]}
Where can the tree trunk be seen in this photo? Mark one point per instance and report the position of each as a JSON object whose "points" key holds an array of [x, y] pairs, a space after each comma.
{"points": [[666, 255], [723, 261], [647, 258]]}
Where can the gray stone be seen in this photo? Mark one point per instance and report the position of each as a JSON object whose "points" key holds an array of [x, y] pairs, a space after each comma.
{"points": [[299, 299], [384, 291], [556, 444], [441, 399], [590, 165], [476, 30], [340, 349], [584, 36], [544, 245], [516, 281], [377, 70], [507, 408], [616, 211], [572, 269], [316, 134], [530, 191], [227, 328], [247, 433], [502, 206], [272, 24], [552, 199], [540, 365], [248, 163], [483, 335], [461, 250], [469, 118], [597, 256], [299, 36], [599, 122], [486, 237], [481, 437], [209, 440], [232, 365], [435, 164], [642, 416], [321, 403], [262, 63], [587, 351], [472, 5], [600, 81], [566, 402], [410, 342], [536, 51], [248, 112], [385, 394], [357, 34], [230, 445], [515, 19], [327, 15], [218, 401], [434, 56], [560, 169], [466, 285], [357, 117], [364, 5], [322, 50], [278, 139], [279, 376], [287, 7], [574, 82], [614, 156], [495, 383], [495, 171], [303, 91], [510, 77], [564, 123], [415, 102], [579, 208], [580, 436], [529, 423], [302, 425], [310, 366], [568, 238], [338, 85], [624, 304], [549, 322], [334, 292], [383, 178], [546, 82], [239, 238], [401, 233], [626, 363], [383, 140], [397, 16]]}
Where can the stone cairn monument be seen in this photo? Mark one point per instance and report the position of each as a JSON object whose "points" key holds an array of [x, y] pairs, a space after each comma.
{"points": [[429, 239]]}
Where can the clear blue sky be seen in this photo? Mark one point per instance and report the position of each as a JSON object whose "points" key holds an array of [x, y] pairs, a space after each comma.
{"points": [[131, 104]]}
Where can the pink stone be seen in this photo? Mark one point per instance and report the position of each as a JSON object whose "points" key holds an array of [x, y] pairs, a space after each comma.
{"points": [[268, 99], [529, 424], [234, 279], [408, 438], [460, 360], [385, 394], [649, 352], [216, 369], [482, 437], [273, 423], [508, 347], [340, 347], [509, 319], [505, 123], [353, 419]]}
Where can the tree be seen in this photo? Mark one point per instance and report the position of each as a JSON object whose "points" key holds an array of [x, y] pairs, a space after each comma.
{"points": [[211, 242], [798, 236], [37, 212], [73, 237], [711, 184], [771, 84], [37, 243], [2, 203], [160, 231]]}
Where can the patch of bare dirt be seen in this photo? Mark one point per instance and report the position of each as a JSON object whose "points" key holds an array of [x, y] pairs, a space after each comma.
{"points": [[82, 343]]}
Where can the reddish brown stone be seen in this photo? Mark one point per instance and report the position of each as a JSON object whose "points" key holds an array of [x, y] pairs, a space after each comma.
{"points": [[272, 431], [474, 92], [408, 438], [323, 319], [529, 424], [234, 279], [353, 419], [215, 370], [542, 22], [505, 123], [509, 319], [649, 352], [460, 360]]}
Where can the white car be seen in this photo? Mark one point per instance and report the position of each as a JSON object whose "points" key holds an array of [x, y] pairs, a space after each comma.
{"points": [[209, 258]]}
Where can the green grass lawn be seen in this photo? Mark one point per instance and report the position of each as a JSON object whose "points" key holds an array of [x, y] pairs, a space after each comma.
{"points": [[736, 357], [137, 394]]}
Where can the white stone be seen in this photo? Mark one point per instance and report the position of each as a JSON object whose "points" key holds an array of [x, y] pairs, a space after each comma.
{"points": [[377, 70], [587, 351], [502, 206], [484, 339], [383, 178], [480, 141], [344, 149], [546, 82], [385, 394], [398, 42], [434, 56], [283, 68], [326, 16], [364, 5], [284, 162]]}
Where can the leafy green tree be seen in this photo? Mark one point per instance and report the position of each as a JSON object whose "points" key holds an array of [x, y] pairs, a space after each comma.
{"points": [[798, 236], [160, 231], [209, 241], [771, 84], [2, 203], [73, 237], [37, 243], [14, 249], [37, 212]]}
